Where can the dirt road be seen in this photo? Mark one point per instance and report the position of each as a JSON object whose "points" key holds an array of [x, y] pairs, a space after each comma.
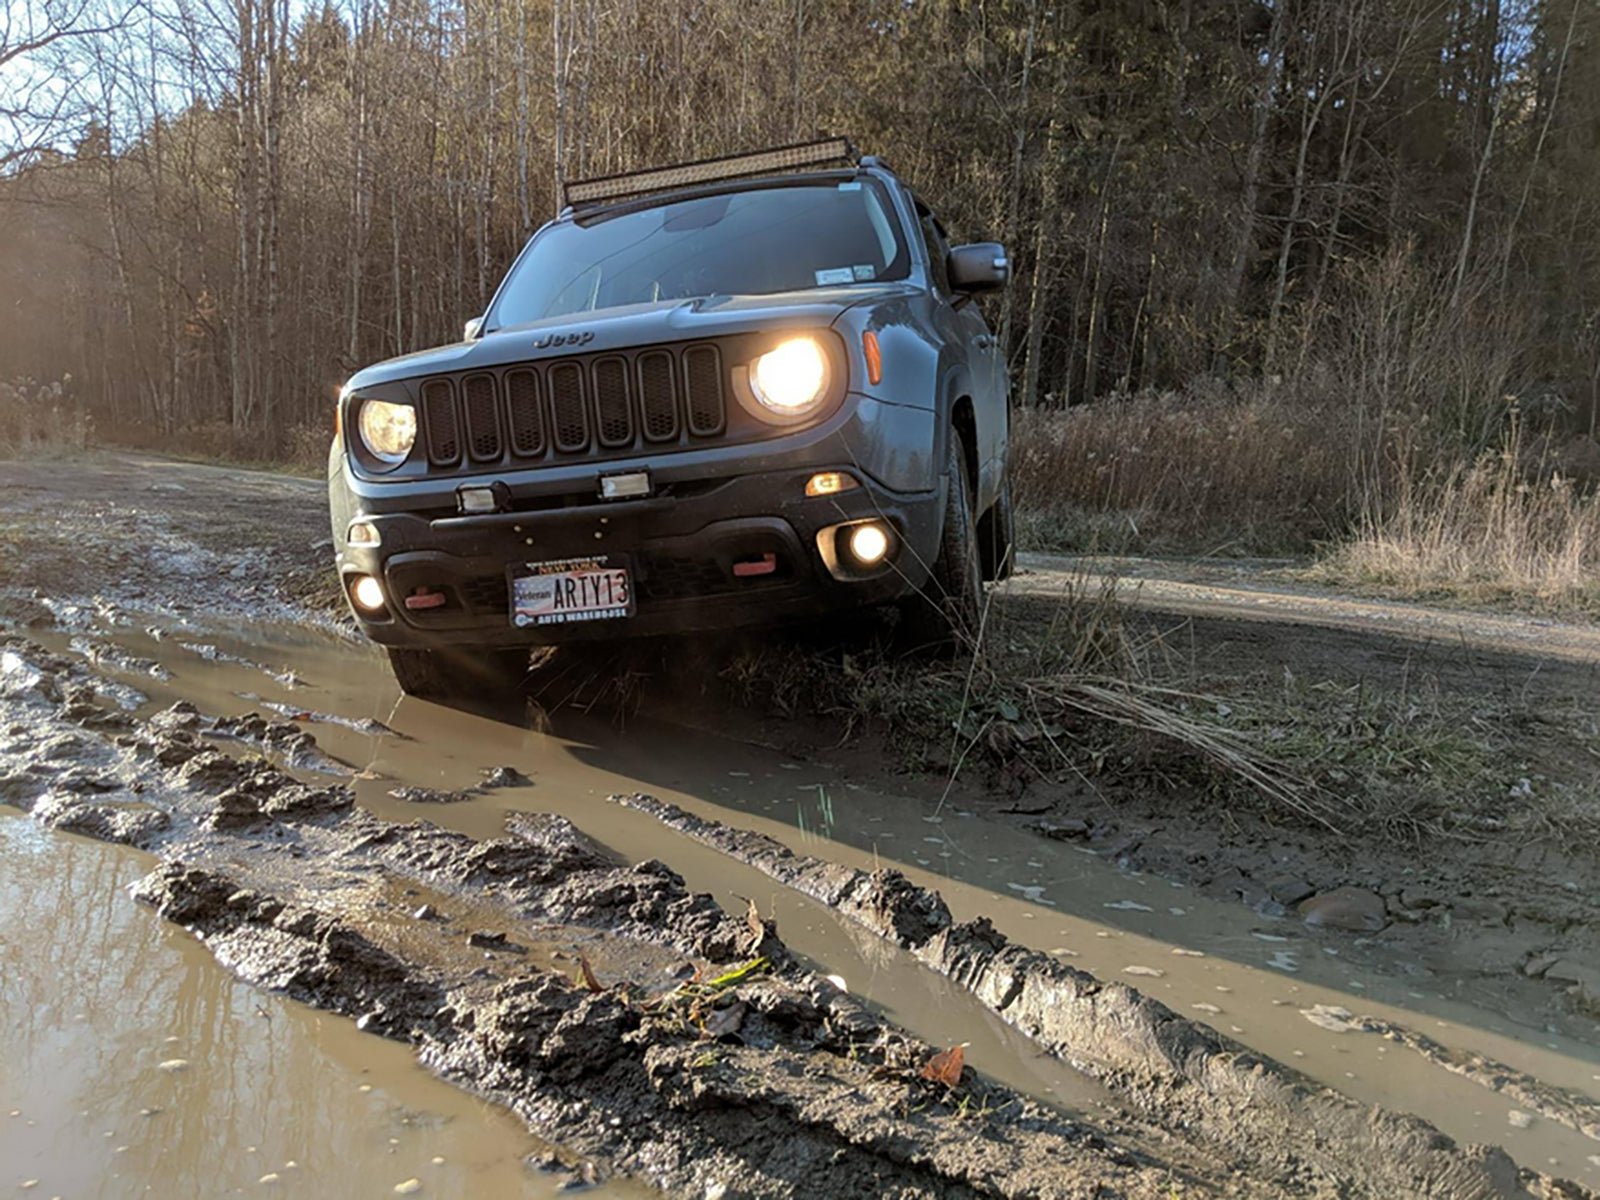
{"points": [[1128, 1029], [1264, 609]]}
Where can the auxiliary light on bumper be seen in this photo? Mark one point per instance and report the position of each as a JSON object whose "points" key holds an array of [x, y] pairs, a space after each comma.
{"points": [[367, 593]]}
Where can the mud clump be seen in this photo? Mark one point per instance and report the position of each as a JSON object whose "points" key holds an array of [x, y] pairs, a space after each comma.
{"points": [[128, 823], [427, 795], [504, 777]]}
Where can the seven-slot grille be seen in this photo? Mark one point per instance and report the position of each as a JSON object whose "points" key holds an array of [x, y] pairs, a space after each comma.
{"points": [[609, 404]]}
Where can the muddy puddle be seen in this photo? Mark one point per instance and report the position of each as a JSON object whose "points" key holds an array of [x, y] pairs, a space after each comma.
{"points": [[1264, 982], [134, 1065]]}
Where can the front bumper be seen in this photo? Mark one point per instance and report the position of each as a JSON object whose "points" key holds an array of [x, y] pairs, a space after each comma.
{"points": [[681, 548]]}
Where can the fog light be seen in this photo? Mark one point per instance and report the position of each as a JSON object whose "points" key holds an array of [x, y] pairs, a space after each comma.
{"points": [[628, 485], [476, 500], [829, 483], [368, 593], [868, 544], [363, 533]]}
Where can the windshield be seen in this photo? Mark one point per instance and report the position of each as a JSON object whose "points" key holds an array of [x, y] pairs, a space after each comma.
{"points": [[753, 242]]}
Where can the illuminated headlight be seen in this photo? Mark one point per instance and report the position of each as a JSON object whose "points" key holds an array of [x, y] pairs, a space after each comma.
{"points": [[388, 431], [792, 378]]}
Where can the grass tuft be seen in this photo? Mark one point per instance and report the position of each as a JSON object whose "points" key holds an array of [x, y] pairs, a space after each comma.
{"points": [[1496, 530]]}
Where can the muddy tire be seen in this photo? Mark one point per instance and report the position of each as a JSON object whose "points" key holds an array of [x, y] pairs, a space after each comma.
{"points": [[999, 537], [457, 674], [943, 616]]}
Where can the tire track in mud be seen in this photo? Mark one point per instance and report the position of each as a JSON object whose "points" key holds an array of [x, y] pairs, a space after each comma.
{"points": [[775, 1083], [1165, 1065]]}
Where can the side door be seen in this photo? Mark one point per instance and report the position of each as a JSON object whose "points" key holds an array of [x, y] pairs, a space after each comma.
{"points": [[983, 357]]}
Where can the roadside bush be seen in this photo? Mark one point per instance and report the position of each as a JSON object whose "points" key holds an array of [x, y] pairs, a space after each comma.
{"points": [[1208, 471], [1507, 526]]}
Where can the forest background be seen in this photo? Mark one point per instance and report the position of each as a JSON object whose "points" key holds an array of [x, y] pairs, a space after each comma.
{"points": [[1290, 276]]}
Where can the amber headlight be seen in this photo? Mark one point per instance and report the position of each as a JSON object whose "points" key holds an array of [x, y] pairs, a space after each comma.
{"points": [[388, 431], [791, 379]]}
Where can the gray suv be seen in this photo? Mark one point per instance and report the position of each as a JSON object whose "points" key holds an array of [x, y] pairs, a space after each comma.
{"points": [[718, 395]]}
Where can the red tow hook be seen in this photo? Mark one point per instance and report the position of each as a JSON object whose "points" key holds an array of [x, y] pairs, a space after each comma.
{"points": [[423, 598], [765, 565]]}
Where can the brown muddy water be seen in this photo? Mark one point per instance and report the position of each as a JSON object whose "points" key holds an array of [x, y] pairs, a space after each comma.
{"points": [[1252, 978], [134, 1065]]}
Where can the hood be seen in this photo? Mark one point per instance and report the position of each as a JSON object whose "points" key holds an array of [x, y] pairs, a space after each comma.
{"points": [[628, 327]]}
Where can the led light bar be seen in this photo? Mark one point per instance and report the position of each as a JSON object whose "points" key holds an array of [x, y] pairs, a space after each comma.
{"points": [[732, 166]]}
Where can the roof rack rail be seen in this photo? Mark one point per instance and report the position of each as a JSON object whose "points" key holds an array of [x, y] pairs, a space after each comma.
{"points": [[583, 192]]}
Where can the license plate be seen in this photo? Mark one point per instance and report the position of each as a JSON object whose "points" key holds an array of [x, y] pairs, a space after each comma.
{"points": [[571, 589]]}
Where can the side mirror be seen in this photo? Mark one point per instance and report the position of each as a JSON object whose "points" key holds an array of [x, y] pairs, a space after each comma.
{"points": [[473, 329], [980, 267]]}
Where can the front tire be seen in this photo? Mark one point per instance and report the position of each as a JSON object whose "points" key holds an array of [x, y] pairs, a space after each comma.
{"points": [[946, 611], [457, 674]]}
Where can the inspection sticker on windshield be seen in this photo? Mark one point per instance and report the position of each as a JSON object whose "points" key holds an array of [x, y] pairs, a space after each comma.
{"points": [[835, 275], [571, 589]]}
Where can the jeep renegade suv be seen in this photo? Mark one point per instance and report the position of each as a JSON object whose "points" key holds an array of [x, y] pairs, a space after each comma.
{"points": [[725, 394]]}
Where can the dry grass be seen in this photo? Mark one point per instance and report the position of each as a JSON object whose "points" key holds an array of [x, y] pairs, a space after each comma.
{"points": [[42, 418], [1206, 472], [1497, 530]]}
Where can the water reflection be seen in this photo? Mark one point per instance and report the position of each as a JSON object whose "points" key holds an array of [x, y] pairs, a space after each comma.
{"points": [[134, 1065]]}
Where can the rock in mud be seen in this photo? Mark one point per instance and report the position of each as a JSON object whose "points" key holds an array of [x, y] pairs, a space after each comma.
{"points": [[1288, 890], [504, 777], [1583, 980], [1355, 909]]}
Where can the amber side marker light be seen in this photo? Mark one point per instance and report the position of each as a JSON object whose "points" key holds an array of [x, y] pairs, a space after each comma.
{"points": [[829, 483], [869, 345], [364, 533]]}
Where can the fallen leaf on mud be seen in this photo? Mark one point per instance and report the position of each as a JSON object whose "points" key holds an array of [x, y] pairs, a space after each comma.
{"points": [[1519, 1120], [589, 981], [945, 1066], [724, 1021], [1150, 972], [409, 1188], [174, 1064]]}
